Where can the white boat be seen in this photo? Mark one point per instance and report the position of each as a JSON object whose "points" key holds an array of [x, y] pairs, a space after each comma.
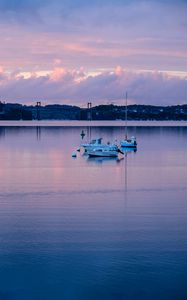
{"points": [[97, 144], [110, 151], [126, 142], [102, 153]]}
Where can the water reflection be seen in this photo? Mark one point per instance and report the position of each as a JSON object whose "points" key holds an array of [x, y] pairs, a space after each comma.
{"points": [[2, 132], [155, 164], [128, 150], [38, 133], [94, 228], [101, 160], [88, 133]]}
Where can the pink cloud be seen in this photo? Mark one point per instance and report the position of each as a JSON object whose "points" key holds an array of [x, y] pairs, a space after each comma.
{"points": [[127, 33]]}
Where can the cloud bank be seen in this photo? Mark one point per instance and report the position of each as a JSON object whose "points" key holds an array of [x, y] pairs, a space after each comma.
{"points": [[77, 87]]}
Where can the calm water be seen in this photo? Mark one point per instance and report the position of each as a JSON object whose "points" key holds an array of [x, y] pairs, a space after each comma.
{"points": [[91, 229]]}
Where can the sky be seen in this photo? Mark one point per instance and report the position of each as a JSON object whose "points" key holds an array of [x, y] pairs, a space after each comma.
{"points": [[77, 51]]}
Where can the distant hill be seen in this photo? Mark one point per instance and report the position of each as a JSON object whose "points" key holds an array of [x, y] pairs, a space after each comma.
{"points": [[12, 111]]}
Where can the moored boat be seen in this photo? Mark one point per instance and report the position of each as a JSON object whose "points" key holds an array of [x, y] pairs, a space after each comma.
{"points": [[97, 144], [109, 151], [129, 143], [126, 142]]}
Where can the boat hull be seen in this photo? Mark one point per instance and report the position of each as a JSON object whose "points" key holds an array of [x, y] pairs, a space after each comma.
{"points": [[102, 154], [128, 146]]}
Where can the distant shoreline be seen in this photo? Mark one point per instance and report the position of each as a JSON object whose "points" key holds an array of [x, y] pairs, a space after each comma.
{"points": [[137, 113]]}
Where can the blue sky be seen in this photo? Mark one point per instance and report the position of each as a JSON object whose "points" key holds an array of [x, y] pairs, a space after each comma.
{"points": [[74, 51]]}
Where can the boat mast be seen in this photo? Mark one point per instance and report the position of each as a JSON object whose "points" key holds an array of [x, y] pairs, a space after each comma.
{"points": [[126, 117], [89, 117]]}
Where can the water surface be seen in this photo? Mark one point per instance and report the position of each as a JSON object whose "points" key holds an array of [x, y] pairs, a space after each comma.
{"points": [[92, 228]]}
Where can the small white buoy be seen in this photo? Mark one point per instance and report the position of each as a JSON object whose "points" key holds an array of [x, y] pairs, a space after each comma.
{"points": [[74, 154]]}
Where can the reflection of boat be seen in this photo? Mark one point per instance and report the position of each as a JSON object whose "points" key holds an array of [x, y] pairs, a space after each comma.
{"points": [[128, 143], [101, 159], [129, 150], [97, 144], [104, 160], [107, 151]]}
